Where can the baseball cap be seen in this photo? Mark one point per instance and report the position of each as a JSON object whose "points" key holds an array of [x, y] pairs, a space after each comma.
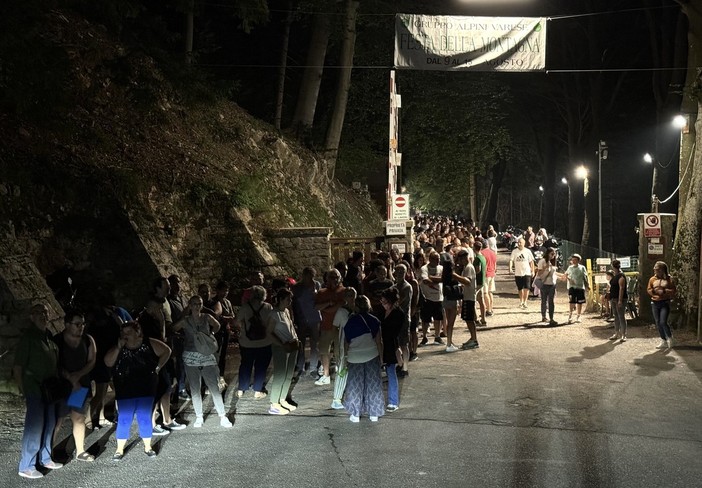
{"points": [[576, 255]]}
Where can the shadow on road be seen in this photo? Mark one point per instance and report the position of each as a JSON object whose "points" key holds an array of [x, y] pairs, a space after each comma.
{"points": [[594, 352], [654, 363]]}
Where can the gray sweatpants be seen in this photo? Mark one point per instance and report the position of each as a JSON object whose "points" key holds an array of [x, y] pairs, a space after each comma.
{"points": [[210, 374]]}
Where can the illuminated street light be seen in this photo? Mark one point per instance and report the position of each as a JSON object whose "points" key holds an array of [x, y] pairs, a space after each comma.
{"points": [[541, 188], [581, 172], [648, 158], [680, 122], [564, 180]]}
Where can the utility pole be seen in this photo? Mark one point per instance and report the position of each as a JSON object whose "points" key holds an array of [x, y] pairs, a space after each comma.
{"points": [[602, 153]]}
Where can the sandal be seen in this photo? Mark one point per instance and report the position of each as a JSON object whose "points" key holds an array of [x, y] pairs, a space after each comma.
{"points": [[85, 456]]}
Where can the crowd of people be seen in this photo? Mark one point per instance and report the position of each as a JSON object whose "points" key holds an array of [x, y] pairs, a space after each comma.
{"points": [[367, 316]]}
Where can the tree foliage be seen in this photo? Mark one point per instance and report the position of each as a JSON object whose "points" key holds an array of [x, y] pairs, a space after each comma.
{"points": [[454, 125]]}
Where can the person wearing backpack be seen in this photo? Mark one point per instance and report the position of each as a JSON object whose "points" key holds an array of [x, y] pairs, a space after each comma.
{"points": [[254, 342]]}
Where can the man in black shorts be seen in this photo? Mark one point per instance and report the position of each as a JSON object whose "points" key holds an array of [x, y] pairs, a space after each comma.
{"points": [[432, 289]]}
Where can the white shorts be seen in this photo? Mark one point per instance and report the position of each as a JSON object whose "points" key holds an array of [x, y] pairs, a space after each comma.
{"points": [[490, 284]]}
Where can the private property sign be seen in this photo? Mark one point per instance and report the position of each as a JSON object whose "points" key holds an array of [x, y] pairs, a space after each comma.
{"points": [[451, 43], [395, 227], [400, 207]]}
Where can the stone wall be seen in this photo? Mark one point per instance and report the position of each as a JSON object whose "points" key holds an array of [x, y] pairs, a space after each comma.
{"points": [[298, 247], [21, 286]]}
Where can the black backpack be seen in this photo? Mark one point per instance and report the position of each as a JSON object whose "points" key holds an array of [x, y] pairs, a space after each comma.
{"points": [[256, 330]]}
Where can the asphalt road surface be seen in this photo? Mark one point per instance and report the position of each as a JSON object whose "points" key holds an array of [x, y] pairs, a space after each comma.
{"points": [[532, 407]]}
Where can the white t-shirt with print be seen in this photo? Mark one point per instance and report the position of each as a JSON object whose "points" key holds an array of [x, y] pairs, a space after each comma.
{"points": [[522, 259]]}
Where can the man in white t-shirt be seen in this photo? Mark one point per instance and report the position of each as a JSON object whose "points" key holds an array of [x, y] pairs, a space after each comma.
{"points": [[521, 262], [432, 289]]}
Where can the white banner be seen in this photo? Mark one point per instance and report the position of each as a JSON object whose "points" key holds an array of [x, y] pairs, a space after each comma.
{"points": [[450, 43]]}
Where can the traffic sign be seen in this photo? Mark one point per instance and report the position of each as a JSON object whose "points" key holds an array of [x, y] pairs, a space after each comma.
{"points": [[400, 207], [652, 225]]}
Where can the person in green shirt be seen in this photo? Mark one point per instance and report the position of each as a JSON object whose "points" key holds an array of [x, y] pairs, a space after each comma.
{"points": [[36, 359]]}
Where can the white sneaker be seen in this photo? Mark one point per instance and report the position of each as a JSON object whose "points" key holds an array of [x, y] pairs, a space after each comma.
{"points": [[225, 422], [570, 318], [662, 345], [452, 348], [354, 418], [614, 337], [323, 380], [670, 342], [577, 319], [373, 418], [337, 405], [31, 474], [623, 338], [198, 422]]}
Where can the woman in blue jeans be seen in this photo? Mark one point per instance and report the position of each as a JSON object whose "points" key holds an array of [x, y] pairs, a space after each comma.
{"points": [[390, 327], [546, 271], [255, 348], [661, 289]]}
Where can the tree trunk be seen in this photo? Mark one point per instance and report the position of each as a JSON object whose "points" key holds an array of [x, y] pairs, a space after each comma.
{"points": [[686, 261], [277, 120], [312, 77], [498, 174], [336, 123], [189, 31]]}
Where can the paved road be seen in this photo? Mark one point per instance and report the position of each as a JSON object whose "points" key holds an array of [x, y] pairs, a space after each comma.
{"points": [[534, 406]]}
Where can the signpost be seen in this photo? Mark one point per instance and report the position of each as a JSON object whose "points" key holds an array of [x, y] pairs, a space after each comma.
{"points": [[395, 227], [400, 207], [652, 225]]}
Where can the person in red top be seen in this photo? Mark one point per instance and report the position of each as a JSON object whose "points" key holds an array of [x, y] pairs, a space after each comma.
{"points": [[490, 271], [328, 301]]}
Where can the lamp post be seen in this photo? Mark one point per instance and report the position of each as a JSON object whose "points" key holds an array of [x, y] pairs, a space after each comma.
{"points": [[654, 198], [541, 204], [602, 152]]}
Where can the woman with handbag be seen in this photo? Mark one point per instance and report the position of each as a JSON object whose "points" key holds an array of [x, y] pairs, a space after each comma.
{"points": [[546, 274], [199, 360], [364, 390], [284, 344], [136, 361]]}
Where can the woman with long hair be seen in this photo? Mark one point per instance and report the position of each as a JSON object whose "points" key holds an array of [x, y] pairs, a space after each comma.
{"points": [[364, 390], [284, 344], [546, 272], [617, 300], [661, 289], [391, 325]]}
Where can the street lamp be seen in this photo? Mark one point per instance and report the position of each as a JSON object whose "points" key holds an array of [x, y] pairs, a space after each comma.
{"points": [[602, 153]]}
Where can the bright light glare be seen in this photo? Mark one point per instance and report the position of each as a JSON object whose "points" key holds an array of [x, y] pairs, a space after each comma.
{"points": [[541, 188], [564, 180], [581, 172], [648, 158], [679, 122]]}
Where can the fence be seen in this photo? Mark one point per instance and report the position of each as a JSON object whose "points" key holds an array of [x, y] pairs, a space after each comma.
{"points": [[597, 263], [341, 248]]}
